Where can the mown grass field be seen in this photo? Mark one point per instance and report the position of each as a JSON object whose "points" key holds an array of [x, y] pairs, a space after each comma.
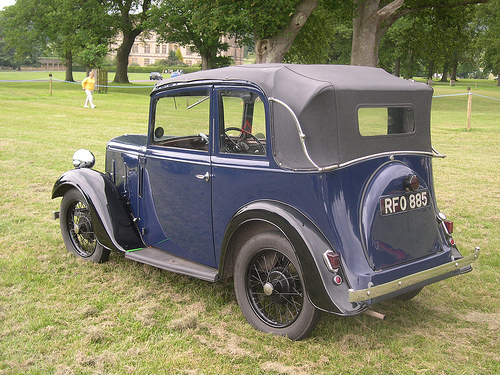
{"points": [[60, 315]]}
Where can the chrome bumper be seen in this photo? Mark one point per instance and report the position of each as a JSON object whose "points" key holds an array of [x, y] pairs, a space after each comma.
{"points": [[404, 282]]}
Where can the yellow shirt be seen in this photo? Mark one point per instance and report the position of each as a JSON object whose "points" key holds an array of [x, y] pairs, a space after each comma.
{"points": [[88, 84]]}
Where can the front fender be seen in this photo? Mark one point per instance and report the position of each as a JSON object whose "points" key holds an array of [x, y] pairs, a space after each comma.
{"points": [[309, 245], [112, 221]]}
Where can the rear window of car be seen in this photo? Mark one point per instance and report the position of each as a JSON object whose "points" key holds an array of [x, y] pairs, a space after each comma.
{"points": [[379, 121]]}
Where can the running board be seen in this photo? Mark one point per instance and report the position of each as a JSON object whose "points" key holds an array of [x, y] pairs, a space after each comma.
{"points": [[169, 262]]}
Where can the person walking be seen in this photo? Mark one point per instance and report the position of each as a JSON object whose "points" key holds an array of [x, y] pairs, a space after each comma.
{"points": [[88, 86]]}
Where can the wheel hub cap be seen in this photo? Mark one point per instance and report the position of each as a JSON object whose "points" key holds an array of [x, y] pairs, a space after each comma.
{"points": [[268, 289]]}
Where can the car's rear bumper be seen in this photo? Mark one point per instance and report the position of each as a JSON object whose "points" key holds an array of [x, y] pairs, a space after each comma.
{"points": [[457, 267]]}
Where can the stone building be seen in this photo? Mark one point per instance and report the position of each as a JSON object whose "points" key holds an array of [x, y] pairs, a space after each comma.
{"points": [[146, 51]]}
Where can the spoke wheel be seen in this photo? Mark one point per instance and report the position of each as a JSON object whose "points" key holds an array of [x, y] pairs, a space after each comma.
{"points": [[77, 228], [270, 290], [274, 288]]}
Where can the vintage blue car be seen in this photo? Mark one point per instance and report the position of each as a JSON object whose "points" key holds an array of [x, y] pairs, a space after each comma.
{"points": [[310, 185]]}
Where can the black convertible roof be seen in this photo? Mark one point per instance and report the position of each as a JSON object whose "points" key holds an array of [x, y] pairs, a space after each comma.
{"points": [[325, 100]]}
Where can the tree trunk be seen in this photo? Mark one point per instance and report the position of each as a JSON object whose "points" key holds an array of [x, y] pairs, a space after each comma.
{"points": [[397, 67], [130, 29], [444, 78], [430, 69], [410, 67], [273, 50], [69, 67], [204, 62], [454, 70], [122, 55], [365, 25], [369, 28], [498, 77]]}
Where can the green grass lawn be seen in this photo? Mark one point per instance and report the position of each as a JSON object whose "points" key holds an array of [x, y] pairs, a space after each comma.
{"points": [[60, 315]]}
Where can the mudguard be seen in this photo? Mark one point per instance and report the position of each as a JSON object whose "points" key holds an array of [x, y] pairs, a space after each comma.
{"points": [[113, 223], [309, 245]]}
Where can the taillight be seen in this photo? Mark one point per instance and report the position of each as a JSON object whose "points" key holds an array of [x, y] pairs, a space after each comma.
{"points": [[332, 260], [448, 225], [411, 183]]}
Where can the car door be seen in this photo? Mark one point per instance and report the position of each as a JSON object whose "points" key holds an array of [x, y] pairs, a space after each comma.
{"points": [[240, 161], [175, 184]]}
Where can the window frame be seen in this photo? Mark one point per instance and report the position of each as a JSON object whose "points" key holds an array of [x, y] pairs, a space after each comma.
{"points": [[178, 92], [387, 107], [217, 93]]}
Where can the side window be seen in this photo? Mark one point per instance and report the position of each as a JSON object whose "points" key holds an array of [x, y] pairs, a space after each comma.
{"points": [[182, 120], [375, 121], [242, 121]]}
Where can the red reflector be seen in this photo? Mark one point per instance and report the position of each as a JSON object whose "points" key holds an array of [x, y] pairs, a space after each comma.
{"points": [[332, 260], [449, 226], [337, 280]]}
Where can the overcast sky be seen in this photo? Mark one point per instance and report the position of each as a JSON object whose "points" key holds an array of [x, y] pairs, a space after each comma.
{"points": [[4, 3]]}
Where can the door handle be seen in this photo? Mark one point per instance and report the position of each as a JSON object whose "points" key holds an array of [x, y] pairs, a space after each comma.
{"points": [[205, 176]]}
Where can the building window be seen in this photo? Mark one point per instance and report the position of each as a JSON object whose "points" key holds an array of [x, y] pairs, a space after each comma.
{"points": [[146, 62], [135, 48], [157, 49], [147, 48]]}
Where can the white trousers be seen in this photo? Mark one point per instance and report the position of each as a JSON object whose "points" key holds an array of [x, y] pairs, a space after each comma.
{"points": [[89, 98]]}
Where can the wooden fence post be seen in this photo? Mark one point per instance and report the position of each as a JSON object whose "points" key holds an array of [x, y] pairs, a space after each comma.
{"points": [[50, 84], [469, 107]]}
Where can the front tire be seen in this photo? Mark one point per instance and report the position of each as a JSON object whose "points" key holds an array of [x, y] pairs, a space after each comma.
{"points": [[270, 290], [77, 229]]}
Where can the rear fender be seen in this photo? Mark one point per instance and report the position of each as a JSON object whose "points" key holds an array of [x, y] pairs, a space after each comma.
{"points": [[112, 221], [309, 245]]}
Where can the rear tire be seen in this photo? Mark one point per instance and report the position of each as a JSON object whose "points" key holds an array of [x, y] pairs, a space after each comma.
{"points": [[78, 230], [270, 290]]}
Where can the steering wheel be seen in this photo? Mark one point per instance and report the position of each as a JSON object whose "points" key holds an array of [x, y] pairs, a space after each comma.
{"points": [[242, 146]]}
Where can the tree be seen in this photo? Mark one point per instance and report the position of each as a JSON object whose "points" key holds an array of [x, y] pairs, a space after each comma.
{"points": [[130, 19], [273, 39], [62, 26], [21, 44], [178, 55], [488, 24], [373, 18], [93, 55], [435, 39], [199, 24], [326, 38]]}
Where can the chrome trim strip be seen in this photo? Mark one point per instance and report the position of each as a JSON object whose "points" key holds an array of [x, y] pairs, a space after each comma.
{"points": [[437, 154], [393, 286], [302, 136], [373, 156]]}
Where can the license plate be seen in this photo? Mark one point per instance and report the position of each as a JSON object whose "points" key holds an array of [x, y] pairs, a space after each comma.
{"points": [[404, 202]]}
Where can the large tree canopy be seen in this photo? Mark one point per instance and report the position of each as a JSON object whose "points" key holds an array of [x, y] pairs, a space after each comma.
{"points": [[65, 27], [431, 40], [372, 19], [488, 23], [199, 24]]}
